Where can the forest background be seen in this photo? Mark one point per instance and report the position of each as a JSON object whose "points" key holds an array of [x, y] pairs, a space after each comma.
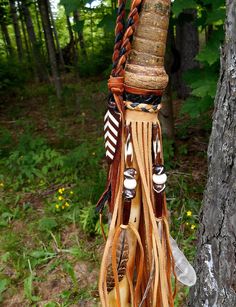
{"points": [[55, 59]]}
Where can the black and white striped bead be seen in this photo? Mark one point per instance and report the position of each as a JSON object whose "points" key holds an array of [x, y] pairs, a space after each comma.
{"points": [[111, 133]]}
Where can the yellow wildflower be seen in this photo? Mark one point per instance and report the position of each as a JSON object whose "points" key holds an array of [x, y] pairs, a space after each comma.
{"points": [[57, 206], [71, 192], [60, 197], [67, 204], [187, 223], [189, 213], [63, 189], [193, 226], [63, 207], [1, 184], [60, 191]]}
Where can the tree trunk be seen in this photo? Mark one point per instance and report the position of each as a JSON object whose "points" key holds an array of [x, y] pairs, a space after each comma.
{"points": [[44, 12], [16, 29], [187, 43], [166, 112], [69, 27], [7, 39], [27, 46], [216, 254], [80, 35], [38, 24], [72, 42], [38, 60], [56, 37]]}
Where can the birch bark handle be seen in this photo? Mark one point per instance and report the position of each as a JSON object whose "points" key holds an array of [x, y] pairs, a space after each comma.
{"points": [[145, 65]]}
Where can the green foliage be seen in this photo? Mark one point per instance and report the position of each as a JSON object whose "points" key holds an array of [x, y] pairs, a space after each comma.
{"points": [[194, 106], [32, 158], [203, 80], [79, 26], [96, 63], [184, 211], [203, 83], [108, 22], [12, 75], [88, 218], [72, 5], [210, 54], [180, 5], [9, 215], [3, 286], [51, 304], [28, 289], [5, 141], [47, 224], [168, 149], [200, 88], [70, 271]]}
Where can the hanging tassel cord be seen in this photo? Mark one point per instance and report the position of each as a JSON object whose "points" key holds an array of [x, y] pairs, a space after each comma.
{"points": [[112, 229], [162, 276]]}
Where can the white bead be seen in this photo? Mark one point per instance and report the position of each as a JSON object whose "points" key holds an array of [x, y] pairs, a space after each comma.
{"points": [[130, 184], [159, 179]]}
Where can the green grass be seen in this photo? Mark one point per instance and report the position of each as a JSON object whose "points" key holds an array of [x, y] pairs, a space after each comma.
{"points": [[52, 172]]}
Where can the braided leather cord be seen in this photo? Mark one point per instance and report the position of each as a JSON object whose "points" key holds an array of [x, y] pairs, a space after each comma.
{"points": [[119, 33], [143, 107], [125, 48], [150, 103], [123, 39]]}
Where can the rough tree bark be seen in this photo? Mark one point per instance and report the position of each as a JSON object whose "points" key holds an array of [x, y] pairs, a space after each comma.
{"points": [[16, 29], [216, 255], [187, 43], [44, 12]]}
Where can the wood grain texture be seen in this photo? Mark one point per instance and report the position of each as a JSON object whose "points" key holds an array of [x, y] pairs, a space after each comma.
{"points": [[145, 65]]}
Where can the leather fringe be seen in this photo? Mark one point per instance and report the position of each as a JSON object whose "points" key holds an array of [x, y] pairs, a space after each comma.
{"points": [[149, 266]]}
